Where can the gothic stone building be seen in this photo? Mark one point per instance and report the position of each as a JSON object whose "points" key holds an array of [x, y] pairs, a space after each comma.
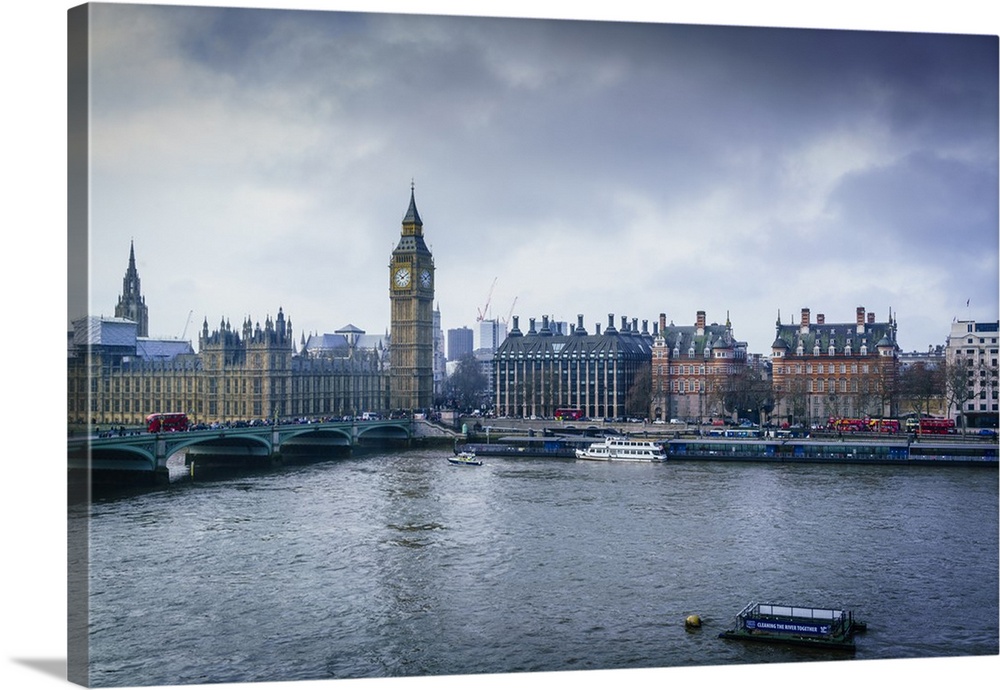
{"points": [[822, 370], [131, 304], [117, 378], [411, 294]]}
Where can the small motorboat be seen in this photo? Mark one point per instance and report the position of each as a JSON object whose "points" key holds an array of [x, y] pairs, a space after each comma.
{"points": [[465, 458]]}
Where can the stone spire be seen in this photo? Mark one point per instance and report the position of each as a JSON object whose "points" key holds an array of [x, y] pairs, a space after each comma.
{"points": [[131, 304]]}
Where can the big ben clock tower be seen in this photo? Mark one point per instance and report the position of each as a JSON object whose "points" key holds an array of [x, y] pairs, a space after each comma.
{"points": [[411, 294]]}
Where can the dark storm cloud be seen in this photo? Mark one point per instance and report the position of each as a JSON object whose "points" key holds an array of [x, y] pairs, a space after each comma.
{"points": [[919, 208], [706, 160]]}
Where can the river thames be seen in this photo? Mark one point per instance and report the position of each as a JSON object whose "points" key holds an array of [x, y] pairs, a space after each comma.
{"points": [[398, 564]]}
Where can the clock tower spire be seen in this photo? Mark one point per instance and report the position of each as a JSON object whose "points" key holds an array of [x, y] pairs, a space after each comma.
{"points": [[411, 296]]}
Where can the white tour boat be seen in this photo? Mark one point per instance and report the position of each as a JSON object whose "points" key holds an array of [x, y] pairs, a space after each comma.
{"points": [[617, 448]]}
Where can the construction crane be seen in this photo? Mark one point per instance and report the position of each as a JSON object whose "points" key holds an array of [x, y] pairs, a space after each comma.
{"points": [[185, 331], [486, 307], [510, 312]]}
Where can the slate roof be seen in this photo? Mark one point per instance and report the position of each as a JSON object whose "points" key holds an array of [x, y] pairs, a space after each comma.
{"points": [[714, 336], [411, 213], [151, 348], [611, 342], [329, 342], [872, 335], [326, 343]]}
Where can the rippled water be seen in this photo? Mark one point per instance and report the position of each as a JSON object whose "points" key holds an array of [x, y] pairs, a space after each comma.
{"points": [[401, 564]]}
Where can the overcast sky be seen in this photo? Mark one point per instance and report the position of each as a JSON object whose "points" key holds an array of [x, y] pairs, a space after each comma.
{"points": [[263, 158]]}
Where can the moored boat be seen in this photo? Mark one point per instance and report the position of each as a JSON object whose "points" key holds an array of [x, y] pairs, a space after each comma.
{"points": [[623, 449], [807, 626], [465, 458]]}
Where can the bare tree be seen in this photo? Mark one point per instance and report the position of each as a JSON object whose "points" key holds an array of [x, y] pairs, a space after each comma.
{"points": [[748, 394], [467, 385], [958, 379], [639, 397], [919, 385]]}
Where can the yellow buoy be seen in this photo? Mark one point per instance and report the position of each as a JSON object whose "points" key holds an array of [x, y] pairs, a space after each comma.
{"points": [[693, 621]]}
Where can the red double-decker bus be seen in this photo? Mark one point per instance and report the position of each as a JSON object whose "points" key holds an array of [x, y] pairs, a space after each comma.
{"points": [[847, 424], [886, 426], [931, 425], [871, 424], [166, 421], [569, 414]]}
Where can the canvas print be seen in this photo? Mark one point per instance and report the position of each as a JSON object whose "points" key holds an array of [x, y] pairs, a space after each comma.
{"points": [[416, 346]]}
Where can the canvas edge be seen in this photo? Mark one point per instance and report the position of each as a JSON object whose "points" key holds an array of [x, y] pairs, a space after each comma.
{"points": [[78, 298]]}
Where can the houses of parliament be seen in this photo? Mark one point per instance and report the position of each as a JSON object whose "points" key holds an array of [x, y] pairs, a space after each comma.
{"points": [[117, 374]]}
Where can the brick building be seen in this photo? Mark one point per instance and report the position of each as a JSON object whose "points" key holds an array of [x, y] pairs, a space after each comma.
{"points": [[692, 367], [822, 370]]}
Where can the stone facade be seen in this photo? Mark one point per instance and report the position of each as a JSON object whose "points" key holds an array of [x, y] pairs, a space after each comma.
{"points": [[251, 373], [117, 375], [411, 294], [131, 304], [972, 348]]}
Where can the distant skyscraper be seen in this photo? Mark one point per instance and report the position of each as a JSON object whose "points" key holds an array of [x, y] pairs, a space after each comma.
{"points": [[439, 358], [491, 334], [459, 343]]}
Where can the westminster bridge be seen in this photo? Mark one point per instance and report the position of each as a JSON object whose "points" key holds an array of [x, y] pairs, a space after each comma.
{"points": [[142, 457]]}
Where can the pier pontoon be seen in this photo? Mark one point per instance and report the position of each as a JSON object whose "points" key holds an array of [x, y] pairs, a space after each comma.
{"points": [[813, 627]]}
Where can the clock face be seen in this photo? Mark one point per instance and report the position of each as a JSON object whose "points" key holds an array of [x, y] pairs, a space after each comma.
{"points": [[425, 278], [402, 277]]}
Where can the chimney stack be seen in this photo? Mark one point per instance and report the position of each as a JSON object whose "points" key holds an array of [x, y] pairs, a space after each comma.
{"points": [[701, 323], [804, 327], [820, 319]]}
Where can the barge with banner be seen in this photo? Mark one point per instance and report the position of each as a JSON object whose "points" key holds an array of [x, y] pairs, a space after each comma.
{"points": [[805, 626], [836, 451]]}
